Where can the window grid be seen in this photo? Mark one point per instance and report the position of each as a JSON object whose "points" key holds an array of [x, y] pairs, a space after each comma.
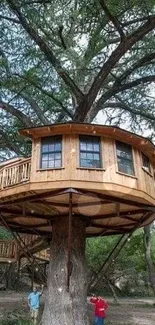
{"points": [[90, 151], [125, 158], [51, 152]]}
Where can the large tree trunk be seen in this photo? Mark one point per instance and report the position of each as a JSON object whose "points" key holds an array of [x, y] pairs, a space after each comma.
{"points": [[63, 306], [147, 243]]}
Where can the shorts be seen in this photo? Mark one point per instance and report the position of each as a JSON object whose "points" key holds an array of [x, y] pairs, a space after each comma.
{"points": [[34, 313]]}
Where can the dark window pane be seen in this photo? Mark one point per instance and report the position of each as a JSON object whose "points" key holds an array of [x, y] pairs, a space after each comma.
{"points": [[58, 146], [89, 147], [51, 147], [51, 156], [83, 155], [83, 146], [44, 148], [44, 164], [57, 163], [146, 163], [83, 163], [90, 156], [45, 157], [96, 147], [125, 166], [58, 156], [51, 163], [96, 156]]}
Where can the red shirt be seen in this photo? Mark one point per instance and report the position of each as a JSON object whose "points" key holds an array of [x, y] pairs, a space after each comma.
{"points": [[99, 304]]}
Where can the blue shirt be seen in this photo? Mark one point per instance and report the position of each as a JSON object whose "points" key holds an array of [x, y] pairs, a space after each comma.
{"points": [[34, 299]]}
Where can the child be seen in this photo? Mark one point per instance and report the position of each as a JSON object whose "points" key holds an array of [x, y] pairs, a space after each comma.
{"points": [[100, 309], [34, 303]]}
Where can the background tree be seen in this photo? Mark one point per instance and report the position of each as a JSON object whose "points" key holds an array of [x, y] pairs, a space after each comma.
{"points": [[69, 60]]}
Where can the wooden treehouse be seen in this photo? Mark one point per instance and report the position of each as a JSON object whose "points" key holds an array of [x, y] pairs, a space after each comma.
{"points": [[102, 174], [81, 180]]}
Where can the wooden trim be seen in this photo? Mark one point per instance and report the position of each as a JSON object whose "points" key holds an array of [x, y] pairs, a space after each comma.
{"points": [[46, 169], [91, 168], [128, 175], [147, 172]]}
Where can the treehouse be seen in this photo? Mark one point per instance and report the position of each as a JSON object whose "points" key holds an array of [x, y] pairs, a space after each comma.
{"points": [[102, 175]]}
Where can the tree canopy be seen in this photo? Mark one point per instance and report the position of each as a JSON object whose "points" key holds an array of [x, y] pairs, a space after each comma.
{"points": [[70, 59]]}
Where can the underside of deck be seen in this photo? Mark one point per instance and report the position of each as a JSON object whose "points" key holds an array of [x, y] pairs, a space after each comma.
{"points": [[105, 214]]}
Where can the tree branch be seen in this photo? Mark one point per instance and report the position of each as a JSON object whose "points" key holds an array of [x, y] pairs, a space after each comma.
{"points": [[122, 105], [36, 109], [10, 19], [15, 112], [112, 18], [7, 68], [46, 93], [115, 90], [46, 50], [136, 20], [9, 143], [146, 59], [127, 43]]}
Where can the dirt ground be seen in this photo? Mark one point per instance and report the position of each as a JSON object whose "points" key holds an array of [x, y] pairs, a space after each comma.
{"points": [[129, 311]]}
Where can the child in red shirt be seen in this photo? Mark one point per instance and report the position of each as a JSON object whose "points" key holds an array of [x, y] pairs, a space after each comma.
{"points": [[100, 309]]}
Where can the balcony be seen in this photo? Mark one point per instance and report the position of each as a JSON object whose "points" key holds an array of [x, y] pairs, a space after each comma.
{"points": [[15, 172]]}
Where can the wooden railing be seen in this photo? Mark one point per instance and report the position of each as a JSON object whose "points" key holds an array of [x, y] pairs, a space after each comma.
{"points": [[15, 173], [11, 250], [8, 249]]}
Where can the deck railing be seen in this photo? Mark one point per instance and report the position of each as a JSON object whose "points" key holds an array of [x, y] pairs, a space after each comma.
{"points": [[15, 173], [8, 249]]}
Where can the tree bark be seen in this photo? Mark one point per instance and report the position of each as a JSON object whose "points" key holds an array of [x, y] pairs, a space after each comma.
{"points": [[65, 306], [147, 244]]}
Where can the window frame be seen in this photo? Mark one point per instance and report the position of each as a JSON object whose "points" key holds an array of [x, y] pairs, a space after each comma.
{"points": [[144, 167], [92, 152], [50, 152], [126, 159]]}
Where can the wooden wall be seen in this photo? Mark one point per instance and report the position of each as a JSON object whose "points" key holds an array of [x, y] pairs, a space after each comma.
{"points": [[70, 170]]}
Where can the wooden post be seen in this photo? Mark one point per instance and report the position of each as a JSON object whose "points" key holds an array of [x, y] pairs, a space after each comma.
{"points": [[18, 272], [32, 276]]}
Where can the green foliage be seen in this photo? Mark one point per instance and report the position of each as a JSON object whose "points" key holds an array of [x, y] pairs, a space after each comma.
{"points": [[16, 322], [80, 37], [128, 271], [5, 234]]}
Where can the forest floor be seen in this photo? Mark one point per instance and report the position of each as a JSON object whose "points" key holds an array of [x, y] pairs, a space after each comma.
{"points": [[13, 307]]}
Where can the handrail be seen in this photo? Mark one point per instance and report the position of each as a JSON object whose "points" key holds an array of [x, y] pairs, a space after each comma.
{"points": [[15, 173], [8, 249]]}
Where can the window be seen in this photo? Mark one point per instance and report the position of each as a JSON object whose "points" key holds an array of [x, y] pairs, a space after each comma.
{"points": [[90, 151], [51, 152], [124, 158], [146, 163]]}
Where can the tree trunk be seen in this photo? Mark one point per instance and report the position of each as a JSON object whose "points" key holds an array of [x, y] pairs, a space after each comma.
{"points": [[147, 244], [65, 306]]}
